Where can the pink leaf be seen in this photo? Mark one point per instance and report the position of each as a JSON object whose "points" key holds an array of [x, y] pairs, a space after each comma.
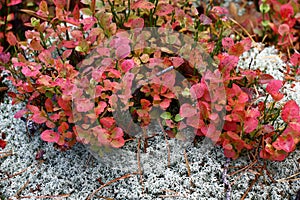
{"points": [[250, 124], [20, 113], [100, 108], [66, 53], [117, 133], [39, 118], [227, 42], [50, 136], [286, 11], [285, 143], [164, 9], [107, 122], [290, 111], [122, 51], [117, 143], [177, 61], [165, 104], [295, 59], [273, 88], [205, 20], [283, 29], [137, 24], [84, 104], [143, 4], [33, 108], [186, 110], [11, 38], [14, 2], [197, 91], [127, 65]]}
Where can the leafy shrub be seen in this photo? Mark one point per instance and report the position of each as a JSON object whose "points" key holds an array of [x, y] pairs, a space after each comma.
{"points": [[54, 73]]}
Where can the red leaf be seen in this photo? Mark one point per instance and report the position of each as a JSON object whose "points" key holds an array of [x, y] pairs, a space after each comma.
{"points": [[33, 109], [63, 127], [76, 13], [107, 122], [127, 65], [11, 38], [20, 113], [286, 11], [2, 144], [290, 111], [164, 9], [117, 143], [137, 24], [67, 53], [117, 133], [50, 136], [265, 78], [36, 45], [236, 50], [49, 105], [14, 2], [100, 107], [197, 90], [186, 110], [143, 4], [59, 3], [285, 143], [39, 118], [250, 124]]}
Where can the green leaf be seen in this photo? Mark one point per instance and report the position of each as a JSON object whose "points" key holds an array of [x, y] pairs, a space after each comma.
{"points": [[35, 22], [49, 94], [166, 115], [265, 23], [264, 8], [186, 92], [178, 118]]}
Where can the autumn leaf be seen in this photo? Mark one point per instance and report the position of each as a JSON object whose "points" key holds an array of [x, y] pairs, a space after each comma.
{"points": [[84, 104], [143, 4], [11, 38], [2, 144], [187, 110], [290, 111], [50, 136], [127, 65], [285, 143]]}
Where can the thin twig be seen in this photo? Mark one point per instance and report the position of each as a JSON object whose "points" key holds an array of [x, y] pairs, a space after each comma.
{"points": [[287, 178], [46, 196], [16, 174], [167, 143], [244, 168], [225, 180], [242, 29], [176, 194], [6, 154], [26, 183], [138, 156], [108, 183], [252, 184]]}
